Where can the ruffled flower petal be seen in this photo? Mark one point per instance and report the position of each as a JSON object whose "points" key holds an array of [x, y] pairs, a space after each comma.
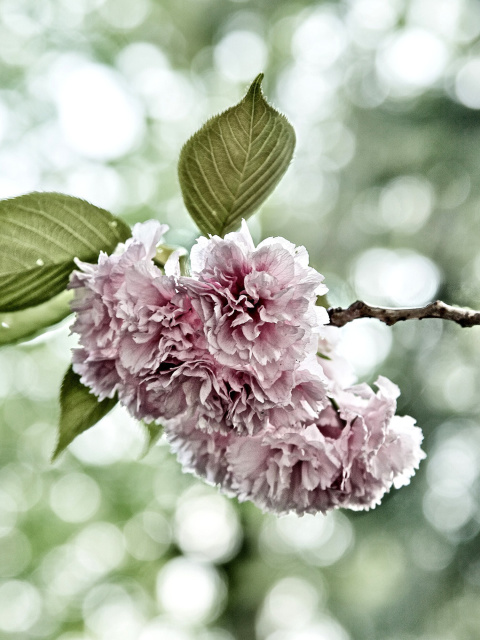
{"points": [[257, 304]]}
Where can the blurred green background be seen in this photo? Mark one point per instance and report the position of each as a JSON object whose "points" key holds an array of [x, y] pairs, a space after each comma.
{"points": [[96, 99]]}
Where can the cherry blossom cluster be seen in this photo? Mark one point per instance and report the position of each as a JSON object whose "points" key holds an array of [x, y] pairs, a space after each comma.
{"points": [[237, 363]]}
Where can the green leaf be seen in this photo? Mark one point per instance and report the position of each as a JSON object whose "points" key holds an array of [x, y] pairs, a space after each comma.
{"points": [[230, 166], [154, 433], [40, 235], [164, 251], [322, 355], [79, 410], [17, 326]]}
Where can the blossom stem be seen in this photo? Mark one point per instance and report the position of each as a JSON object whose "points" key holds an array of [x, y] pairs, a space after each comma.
{"points": [[438, 309]]}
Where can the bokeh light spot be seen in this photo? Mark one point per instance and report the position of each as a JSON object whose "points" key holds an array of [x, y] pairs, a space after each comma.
{"points": [[21, 606], [207, 527], [123, 14], [305, 93], [99, 117], [398, 278], [168, 95], [147, 536], [98, 184], [365, 343], [159, 628], [190, 591], [321, 540], [319, 39], [240, 55], [99, 548], [406, 204], [448, 514], [290, 604], [467, 86], [369, 19], [112, 614], [411, 59], [75, 497]]}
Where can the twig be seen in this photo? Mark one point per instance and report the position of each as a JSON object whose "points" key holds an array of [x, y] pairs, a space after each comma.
{"points": [[438, 309]]}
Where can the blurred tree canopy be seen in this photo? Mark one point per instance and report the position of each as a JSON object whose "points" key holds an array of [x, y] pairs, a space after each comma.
{"points": [[97, 98]]}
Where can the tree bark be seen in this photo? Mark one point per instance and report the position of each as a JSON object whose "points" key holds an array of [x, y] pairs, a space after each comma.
{"points": [[438, 309]]}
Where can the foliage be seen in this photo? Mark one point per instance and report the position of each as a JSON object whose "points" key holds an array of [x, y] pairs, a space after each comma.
{"points": [[385, 167], [80, 410], [234, 162], [40, 235]]}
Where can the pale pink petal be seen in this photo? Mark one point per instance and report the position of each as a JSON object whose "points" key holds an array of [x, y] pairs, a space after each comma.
{"points": [[258, 305]]}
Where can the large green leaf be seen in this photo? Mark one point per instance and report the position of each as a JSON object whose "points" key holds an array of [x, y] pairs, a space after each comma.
{"points": [[17, 326], [234, 162], [79, 410], [40, 235]]}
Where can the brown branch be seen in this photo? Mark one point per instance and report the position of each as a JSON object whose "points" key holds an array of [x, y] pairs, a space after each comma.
{"points": [[438, 309]]}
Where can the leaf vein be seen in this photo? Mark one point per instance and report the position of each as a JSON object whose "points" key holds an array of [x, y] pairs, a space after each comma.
{"points": [[84, 221], [12, 258], [36, 231], [24, 244], [235, 139], [227, 151], [210, 188], [240, 123], [244, 206], [269, 180], [39, 287], [214, 161], [61, 224], [197, 190]]}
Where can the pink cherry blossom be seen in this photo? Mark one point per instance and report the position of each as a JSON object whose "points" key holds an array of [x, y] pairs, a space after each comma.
{"points": [[257, 304], [201, 452], [142, 327], [96, 287], [141, 337], [348, 457], [178, 391], [227, 360], [162, 356], [158, 322]]}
